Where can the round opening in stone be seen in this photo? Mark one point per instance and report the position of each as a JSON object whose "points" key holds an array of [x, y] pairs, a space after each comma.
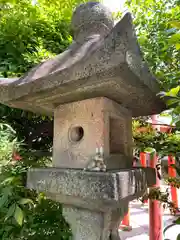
{"points": [[76, 134]]}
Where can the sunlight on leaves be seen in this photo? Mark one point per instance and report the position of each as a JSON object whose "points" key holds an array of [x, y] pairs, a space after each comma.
{"points": [[18, 215]]}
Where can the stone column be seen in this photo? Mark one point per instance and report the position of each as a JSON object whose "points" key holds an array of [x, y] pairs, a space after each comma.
{"points": [[86, 224]]}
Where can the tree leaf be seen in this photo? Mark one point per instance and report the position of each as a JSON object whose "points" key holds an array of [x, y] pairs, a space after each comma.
{"points": [[24, 201], [173, 92], [18, 215], [7, 191], [8, 181], [175, 38], [178, 237], [177, 46], [178, 124], [149, 150], [142, 39], [175, 24], [172, 101], [3, 200], [10, 212], [177, 221]]}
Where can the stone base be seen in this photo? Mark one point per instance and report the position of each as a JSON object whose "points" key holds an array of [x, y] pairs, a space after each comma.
{"points": [[94, 203], [92, 225]]}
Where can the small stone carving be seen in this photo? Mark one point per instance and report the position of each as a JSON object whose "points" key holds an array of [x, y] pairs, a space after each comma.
{"points": [[97, 163]]}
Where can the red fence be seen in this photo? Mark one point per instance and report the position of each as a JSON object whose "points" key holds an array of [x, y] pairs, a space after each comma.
{"points": [[155, 208]]}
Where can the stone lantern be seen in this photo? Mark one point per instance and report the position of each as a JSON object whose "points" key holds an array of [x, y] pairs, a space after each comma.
{"points": [[93, 90]]}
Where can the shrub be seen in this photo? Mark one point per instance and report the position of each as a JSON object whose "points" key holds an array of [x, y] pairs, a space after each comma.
{"points": [[24, 214]]}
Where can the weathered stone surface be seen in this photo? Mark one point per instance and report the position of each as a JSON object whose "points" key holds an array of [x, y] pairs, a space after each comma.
{"points": [[91, 18], [87, 224], [95, 225], [91, 190], [94, 204], [102, 61], [97, 122]]}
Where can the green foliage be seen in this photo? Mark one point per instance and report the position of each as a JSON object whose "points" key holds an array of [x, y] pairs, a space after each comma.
{"points": [[7, 143], [25, 215], [157, 25], [30, 33], [172, 98], [60, 9], [164, 143]]}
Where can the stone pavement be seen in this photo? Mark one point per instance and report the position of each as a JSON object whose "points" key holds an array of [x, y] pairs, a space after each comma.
{"points": [[139, 219]]}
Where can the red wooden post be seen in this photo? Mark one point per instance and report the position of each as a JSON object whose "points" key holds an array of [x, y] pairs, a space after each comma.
{"points": [[172, 173], [143, 159], [143, 164], [155, 209], [125, 224]]}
